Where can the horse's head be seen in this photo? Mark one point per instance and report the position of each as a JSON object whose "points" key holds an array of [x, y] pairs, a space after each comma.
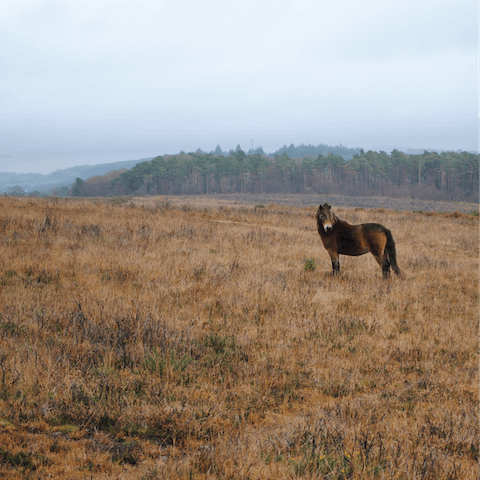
{"points": [[325, 217]]}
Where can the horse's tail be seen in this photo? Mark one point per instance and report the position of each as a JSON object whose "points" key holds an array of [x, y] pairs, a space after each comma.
{"points": [[391, 252]]}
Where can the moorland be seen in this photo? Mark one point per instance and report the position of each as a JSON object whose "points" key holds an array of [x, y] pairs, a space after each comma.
{"points": [[141, 338]]}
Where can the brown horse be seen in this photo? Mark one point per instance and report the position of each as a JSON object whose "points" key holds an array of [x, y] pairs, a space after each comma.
{"points": [[341, 238]]}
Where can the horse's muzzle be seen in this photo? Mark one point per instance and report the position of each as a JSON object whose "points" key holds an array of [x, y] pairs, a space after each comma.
{"points": [[328, 227]]}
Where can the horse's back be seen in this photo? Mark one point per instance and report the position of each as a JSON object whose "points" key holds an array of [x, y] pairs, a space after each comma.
{"points": [[373, 227]]}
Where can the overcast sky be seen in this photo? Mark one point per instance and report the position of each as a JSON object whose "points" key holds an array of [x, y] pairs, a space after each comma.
{"points": [[105, 80]]}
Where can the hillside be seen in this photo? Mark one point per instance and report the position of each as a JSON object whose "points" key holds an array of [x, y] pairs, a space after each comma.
{"points": [[59, 178]]}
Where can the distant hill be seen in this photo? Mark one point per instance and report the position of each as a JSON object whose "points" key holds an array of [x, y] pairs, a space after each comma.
{"points": [[299, 151], [42, 183], [60, 178], [312, 151]]}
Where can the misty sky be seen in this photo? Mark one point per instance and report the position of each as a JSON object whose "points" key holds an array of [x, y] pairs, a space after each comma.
{"points": [[103, 80]]}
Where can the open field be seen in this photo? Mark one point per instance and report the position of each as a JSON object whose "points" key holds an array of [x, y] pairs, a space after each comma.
{"points": [[237, 200], [149, 340]]}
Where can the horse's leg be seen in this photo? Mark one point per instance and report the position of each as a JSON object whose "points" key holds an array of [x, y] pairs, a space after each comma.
{"points": [[385, 267], [382, 260], [335, 262], [336, 267], [378, 242]]}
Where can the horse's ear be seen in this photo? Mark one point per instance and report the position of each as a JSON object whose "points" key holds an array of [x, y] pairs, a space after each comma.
{"points": [[329, 206]]}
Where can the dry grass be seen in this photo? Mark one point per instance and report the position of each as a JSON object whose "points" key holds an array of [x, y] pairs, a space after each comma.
{"points": [[178, 342]]}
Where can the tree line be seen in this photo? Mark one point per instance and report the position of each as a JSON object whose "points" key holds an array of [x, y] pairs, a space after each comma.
{"points": [[444, 176], [299, 151]]}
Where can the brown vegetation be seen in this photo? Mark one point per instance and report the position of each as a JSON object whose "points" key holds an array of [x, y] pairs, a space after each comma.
{"points": [[100, 184], [178, 342]]}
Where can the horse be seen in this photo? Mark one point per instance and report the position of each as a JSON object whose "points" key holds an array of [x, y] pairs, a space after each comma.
{"points": [[341, 238]]}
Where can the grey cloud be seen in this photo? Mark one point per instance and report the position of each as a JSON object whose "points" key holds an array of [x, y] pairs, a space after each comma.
{"points": [[112, 76]]}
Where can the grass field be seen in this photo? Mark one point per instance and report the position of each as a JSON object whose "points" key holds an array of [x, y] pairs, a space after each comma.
{"points": [[145, 340]]}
